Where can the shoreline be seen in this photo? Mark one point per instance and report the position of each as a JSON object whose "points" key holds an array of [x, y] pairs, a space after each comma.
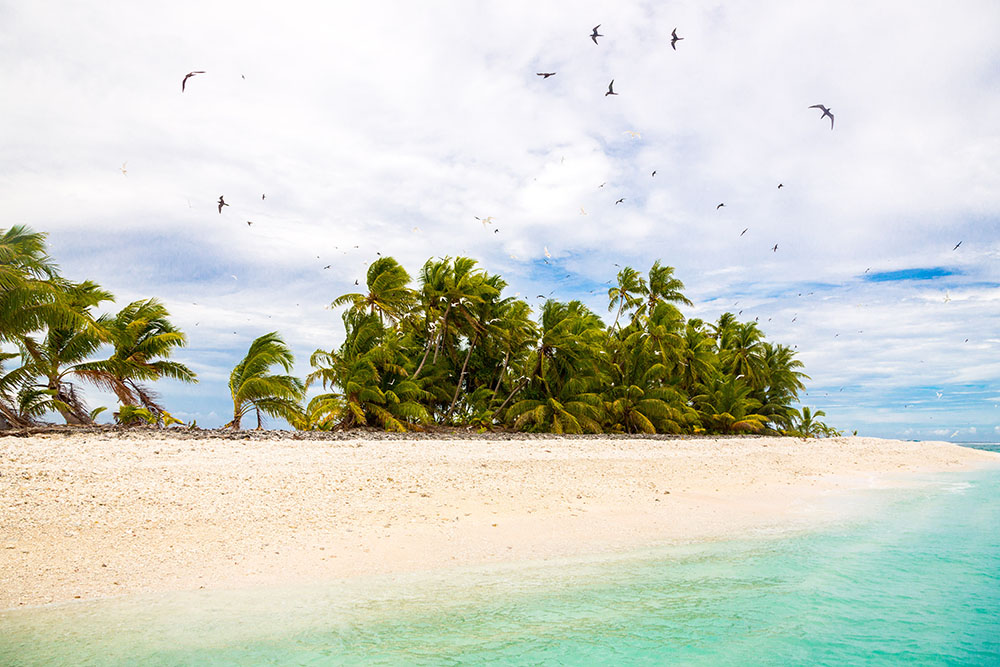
{"points": [[98, 514]]}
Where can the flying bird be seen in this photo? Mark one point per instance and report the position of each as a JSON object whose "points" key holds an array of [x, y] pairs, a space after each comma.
{"points": [[222, 202], [124, 173], [355, 282], [263, 197], [826, 112], [594, 35], [546, 74], [547, 254], [719, 206], [188, 76], [328, 266], [956, 246], [582, 212], [775, 249], [674, 39], [635, 135], [249, 223], [744, 231], [611, 89], [620, 201], [781, 185], [653, 174]]}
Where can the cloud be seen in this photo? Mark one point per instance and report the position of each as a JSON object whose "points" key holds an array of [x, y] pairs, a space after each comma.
{"points": [[360, 123]]}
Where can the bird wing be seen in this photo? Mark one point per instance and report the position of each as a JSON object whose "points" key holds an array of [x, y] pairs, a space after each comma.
{"points": [[818, 106]]}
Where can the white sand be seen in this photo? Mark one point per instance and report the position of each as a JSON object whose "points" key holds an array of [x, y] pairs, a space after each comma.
{"points": [[92, 515]]}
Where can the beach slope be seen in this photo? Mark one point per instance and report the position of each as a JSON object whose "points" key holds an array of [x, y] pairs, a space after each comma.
{"points": [[95, 514]]}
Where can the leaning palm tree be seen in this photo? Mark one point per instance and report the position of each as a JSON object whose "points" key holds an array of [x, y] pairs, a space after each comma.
{"points": [[143, 338], [32, 294], [388, 295], [60, 354], [253, 387]]}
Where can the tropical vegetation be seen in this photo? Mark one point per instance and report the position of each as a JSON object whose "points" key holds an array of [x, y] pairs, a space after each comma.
{"points": [[448, 349]]}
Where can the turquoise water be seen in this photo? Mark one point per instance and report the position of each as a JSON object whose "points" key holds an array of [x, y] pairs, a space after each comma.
{"points": [[915, 577]]}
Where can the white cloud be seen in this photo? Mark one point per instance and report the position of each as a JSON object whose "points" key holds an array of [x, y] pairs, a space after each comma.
{"points": [[362, 122]]}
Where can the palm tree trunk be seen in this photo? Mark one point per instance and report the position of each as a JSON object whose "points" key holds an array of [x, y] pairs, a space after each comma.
{"points": [[427, 350], [444, 325], [260, 424], [461, 376], [503, 369]]}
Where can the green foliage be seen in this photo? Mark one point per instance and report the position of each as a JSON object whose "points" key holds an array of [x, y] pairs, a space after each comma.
{"points": [[254, 388]]}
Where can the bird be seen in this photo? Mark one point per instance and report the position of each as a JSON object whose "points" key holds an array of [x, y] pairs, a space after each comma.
{"points": [[249, 223], [486, 221], [594, 35], [674, 39], [496, 231], [263, 197], [540, 296], [775, 248], [620, 201], [188, 76], [602, 185], [582, 212], [634, 135], [355, 282], [547, 253], [611, 90], [653, 174], [826, 112], [546, 74], [222, 202], [328, 266], [781, 185], [956, 246], [719, 206], [744, 231], [124, 173]]}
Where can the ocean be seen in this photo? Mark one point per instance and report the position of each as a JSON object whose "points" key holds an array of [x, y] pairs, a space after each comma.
{"points": [[911, 575]]}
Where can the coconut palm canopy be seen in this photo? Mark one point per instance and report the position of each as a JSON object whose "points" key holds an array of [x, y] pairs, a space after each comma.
{"points": [[451, 349], [874, 262]]}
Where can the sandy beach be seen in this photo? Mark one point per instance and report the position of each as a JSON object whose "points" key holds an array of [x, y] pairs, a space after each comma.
{"points": [[98, 514]]}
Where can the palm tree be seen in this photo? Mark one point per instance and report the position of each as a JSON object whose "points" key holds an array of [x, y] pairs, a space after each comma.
{"points": [[662, 286], [628, 293], [253, 387], [368, 369], [573, 410], [726, 406], [388, 295], [143, 338], [61, 353], [32, 294]]}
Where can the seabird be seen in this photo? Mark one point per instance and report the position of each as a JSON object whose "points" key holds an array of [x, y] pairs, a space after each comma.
{"points": [[124, 173], [775, 249], [222, 202], [620, 201], [188, 76], [595, 35], [328, 266], [611, 90], [653, 174], [263, 197], [719, 206], [674, 39], [744, 231], [781, 185], [546, 74], [249, 222], [956, 245], [826, 112]]}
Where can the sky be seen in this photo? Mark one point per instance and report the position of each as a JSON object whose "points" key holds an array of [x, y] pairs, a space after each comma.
{"points": [[389, 127]]}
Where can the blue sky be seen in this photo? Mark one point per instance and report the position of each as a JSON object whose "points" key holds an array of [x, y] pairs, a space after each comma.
{"points": [[391, 126]]}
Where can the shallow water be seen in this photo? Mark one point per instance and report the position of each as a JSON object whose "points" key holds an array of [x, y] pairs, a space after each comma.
{"points": [[915, 577]]}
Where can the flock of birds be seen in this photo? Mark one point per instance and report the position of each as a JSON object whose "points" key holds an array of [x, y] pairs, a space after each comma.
{"points": [[487, 221]]}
